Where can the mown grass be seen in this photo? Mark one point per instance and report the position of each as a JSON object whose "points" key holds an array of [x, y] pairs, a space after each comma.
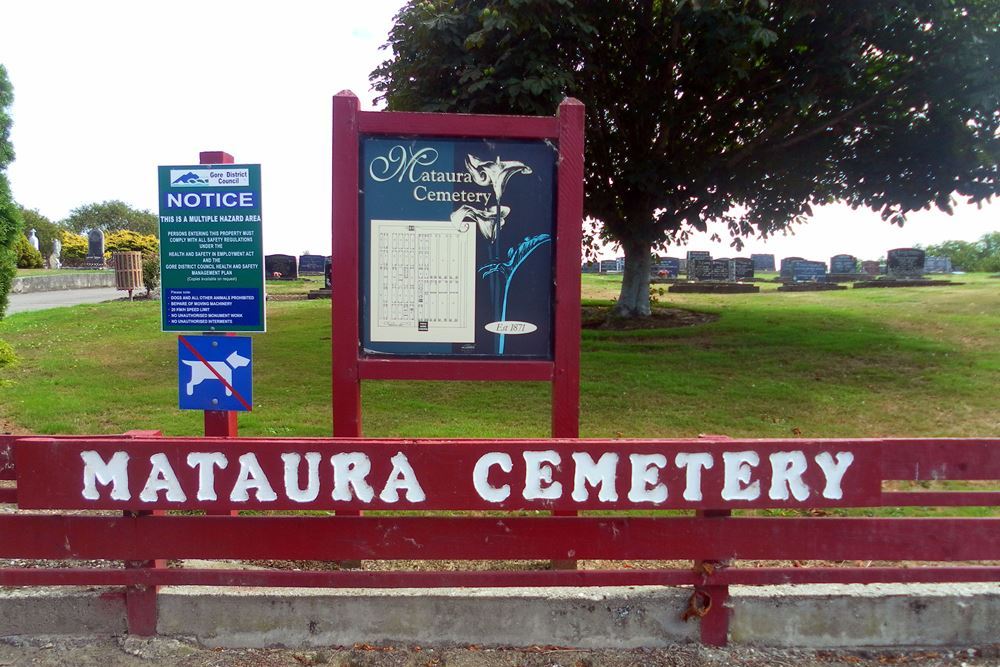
{"points": [[857, 363]]}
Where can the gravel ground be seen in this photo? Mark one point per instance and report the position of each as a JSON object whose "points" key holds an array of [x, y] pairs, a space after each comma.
{"points": [[135, 652]]}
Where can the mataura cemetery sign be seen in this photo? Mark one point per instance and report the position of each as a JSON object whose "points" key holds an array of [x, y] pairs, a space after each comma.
{"points": [[339, 475]]}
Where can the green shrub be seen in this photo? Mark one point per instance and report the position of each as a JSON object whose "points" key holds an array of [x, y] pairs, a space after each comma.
{"points": [[126, 239], [74, 246], [150, 270], [27, 256], [7, 355]]}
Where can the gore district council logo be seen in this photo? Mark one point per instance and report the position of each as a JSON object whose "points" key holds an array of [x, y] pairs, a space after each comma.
{"points": [[202, 178]]}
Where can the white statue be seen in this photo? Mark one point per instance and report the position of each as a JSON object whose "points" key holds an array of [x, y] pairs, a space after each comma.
{"points": [[33, 240]]}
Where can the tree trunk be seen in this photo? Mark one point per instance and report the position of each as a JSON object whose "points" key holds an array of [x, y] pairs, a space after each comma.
{"points": [[634, 298]]}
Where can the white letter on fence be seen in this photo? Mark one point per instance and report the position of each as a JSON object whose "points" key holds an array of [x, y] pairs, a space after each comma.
{"points": [[481, 476], [737, 474], [587, 472], [539, 470], [292, 489], [786, 473], [402, 477], [693, 464], [834, 472], [645, 478], [205, 462], [350, 470], [114, 472], [251, 477], [162, 478]]}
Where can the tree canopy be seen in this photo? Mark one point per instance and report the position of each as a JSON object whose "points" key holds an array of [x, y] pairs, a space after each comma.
{"points": [[748, 112], [981, 255], [46, 230], [111, 216], [10, 214]]}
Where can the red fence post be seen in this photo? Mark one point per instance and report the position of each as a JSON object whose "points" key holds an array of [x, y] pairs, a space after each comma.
{"points": [[140, 600], [715, 619]]}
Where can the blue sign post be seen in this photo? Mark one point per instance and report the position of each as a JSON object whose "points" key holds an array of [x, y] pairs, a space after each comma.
{"points": [[215, 373]]}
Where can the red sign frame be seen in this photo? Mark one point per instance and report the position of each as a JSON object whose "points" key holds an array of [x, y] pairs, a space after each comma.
{"points": [[565, 130]]}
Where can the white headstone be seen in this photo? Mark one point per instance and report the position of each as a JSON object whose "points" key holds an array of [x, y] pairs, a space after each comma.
{"points": [[33, 240]]}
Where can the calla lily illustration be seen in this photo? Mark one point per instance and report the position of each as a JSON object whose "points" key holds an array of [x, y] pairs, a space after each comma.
{"points": [[515, 257], [494, 173], [488, 221]]}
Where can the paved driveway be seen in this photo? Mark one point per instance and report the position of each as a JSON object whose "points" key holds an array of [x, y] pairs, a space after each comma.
{"points": [[19, 303]]}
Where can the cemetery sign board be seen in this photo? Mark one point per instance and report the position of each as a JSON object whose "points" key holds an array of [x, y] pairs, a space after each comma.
{"points": [[211, 250], [456, 246]]}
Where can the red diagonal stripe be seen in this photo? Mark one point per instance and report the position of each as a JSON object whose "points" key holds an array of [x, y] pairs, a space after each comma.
{"points": [[209, 366]]}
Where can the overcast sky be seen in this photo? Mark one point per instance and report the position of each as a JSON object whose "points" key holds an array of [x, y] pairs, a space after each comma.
{"points": [[107, 90]]}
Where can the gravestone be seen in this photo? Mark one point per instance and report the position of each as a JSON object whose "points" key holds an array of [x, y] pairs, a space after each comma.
{"points": [[807, 271], [95, 250], [54, 262], [716, 270], [786, 266], [280, 267], [667, 267], [763, 262], [740, 269], [843, 264], [33, 239], [311, 264], [871, 268], [590, 267], [692, 256], [609, 266], [937, 265], [905, 263]]}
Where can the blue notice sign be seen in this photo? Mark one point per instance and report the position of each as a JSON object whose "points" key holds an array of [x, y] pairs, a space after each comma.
{"points": [[215, 373]]}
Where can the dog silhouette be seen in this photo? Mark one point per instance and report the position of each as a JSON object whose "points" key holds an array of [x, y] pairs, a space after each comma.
{"points": [[200, 372]]}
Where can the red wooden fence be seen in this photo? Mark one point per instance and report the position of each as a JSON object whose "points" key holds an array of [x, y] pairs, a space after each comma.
{"points": [[51, 473]]}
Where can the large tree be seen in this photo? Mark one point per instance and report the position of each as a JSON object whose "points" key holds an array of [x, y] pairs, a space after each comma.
{"points": [[10, 214], [110, 216], [744, 111]]}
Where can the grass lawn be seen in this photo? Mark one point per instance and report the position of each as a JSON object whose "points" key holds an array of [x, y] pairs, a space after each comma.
{"points": [[913, 361]]}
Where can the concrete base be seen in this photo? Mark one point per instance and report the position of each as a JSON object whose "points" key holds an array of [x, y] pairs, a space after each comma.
{"points": [[808, 616], [856, 616], [713, 288], [61, 610], [889, 282], [324, 293], [592, 618], [810, 287], [27, 284]]}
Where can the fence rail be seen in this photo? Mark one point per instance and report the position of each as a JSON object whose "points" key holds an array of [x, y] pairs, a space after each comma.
{"points": [[712, 538]]}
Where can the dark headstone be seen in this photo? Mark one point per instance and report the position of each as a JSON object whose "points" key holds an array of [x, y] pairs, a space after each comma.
{"points": [[905, 263], [805, 271], [590, 267], [740, 269], [328, 273], [667, 267], [937, 265], [871, 268], [609, 266], [716, 270], [311, 264], [763, 262], [843, 264], [95, 249], [280, 267], [691, 258], [786, 266]]}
